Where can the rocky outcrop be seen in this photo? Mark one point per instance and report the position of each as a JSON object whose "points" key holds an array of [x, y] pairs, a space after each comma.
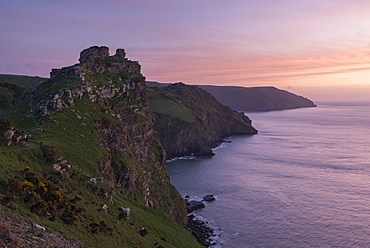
{"points": [[104, 63], [209, 198], [9, 134], [86, 80], [94, 53], [194, 205], [120, 54], [115, 91]]}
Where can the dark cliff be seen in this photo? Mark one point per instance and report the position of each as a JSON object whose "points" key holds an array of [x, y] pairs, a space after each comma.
{"points": [[257, 98], [91, 122], [191, 121]]}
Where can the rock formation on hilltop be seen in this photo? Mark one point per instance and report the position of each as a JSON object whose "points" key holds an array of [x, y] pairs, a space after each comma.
{"points": [[93, 54], [104, 98], [94, 158], [96, 53]]}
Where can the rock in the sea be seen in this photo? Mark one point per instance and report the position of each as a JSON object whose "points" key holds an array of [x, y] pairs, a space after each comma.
{"points": [[194, 205], [209, 198]]}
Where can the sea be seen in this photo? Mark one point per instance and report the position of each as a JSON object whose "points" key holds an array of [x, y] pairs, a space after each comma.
{"points": [[302, 181]]}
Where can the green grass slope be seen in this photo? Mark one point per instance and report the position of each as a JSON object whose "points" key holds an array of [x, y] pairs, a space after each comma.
{"points": [[71, 206], [62, 135], [96, 127]]}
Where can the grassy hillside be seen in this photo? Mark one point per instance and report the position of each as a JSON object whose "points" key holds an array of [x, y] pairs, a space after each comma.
{"points": [[190, 120], [71, 206], [93, 152], [62, 136], [25, 81]]}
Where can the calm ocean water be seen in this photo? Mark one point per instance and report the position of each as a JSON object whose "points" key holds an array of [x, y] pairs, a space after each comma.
{"points": [[303, 181]]}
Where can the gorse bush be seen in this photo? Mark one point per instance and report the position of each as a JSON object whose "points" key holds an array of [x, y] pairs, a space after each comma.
{"points": [[45, 198]]}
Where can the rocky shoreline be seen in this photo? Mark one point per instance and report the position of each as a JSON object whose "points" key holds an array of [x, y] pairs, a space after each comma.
{"points": [[201, 230]]}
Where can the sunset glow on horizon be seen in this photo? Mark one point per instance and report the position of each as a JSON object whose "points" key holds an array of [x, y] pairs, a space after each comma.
{"points": [[318, 49]]}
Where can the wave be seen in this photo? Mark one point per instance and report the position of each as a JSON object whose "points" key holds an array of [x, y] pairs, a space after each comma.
{"points": [[181, 158], [222, 145]]}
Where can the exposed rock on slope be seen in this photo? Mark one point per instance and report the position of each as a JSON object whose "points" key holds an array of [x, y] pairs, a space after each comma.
{"points": [[257, 98], [18, 232], [191, 121], [104, 97]]}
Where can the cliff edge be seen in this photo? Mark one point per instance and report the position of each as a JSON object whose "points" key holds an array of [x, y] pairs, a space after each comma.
{"points": [[191, 121]]}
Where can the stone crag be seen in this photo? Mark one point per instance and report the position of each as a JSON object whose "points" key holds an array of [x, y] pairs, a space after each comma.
{"points": [[113, 86]]}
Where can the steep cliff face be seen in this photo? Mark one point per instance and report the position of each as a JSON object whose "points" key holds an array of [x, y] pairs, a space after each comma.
{"points": [[191, 121], [97, 115]]}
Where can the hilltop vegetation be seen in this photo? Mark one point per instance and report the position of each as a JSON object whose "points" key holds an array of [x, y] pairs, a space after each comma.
{"points": [[191, 121], [26, 81], [8, 92], [94, 154]]}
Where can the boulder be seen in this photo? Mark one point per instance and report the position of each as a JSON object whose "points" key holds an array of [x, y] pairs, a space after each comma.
{"points": [[209, 198], [194, 205], [126, 211], [38, 227], [143, 232], [104, 208]]}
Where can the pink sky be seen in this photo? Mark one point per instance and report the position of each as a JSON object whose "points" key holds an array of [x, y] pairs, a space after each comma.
{"points": [[318, 49]]}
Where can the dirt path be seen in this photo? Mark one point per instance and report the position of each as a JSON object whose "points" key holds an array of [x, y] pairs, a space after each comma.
{"points": [[27, 146]]}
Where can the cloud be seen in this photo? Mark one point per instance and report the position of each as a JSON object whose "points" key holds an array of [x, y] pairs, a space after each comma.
{"points": [[254, 42]]}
